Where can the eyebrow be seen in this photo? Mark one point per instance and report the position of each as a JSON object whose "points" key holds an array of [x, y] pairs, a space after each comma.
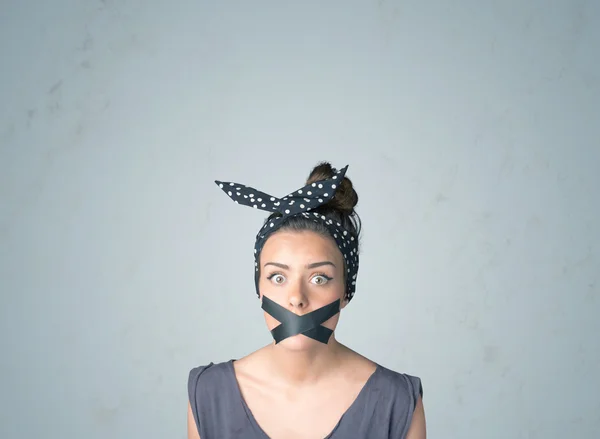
{"points": [[313, 265]]}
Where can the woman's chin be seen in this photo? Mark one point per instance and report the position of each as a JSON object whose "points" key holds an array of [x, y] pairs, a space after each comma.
{"points": [[299, 343]]}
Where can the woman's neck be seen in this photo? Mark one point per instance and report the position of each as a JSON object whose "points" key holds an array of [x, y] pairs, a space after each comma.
{"points": [[306, 366]]}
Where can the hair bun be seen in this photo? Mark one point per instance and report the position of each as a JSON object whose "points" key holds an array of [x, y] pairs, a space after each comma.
{"points": [[345, 198]]}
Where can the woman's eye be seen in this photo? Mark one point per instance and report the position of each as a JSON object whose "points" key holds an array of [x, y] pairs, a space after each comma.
{"points": [[320, 279], [277, 278]]}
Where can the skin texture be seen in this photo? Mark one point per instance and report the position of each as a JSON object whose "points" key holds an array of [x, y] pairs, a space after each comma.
{"points": [[293, 388]]}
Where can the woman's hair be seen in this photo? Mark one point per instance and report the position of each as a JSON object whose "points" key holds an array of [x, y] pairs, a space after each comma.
{"points": [[339, 209]]}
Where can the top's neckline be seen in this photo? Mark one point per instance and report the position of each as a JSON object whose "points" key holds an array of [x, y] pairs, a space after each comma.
{"points": [[352, 406]]}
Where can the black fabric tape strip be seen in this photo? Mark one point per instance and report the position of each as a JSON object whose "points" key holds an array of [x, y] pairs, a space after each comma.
{"points": [[307, 324]]}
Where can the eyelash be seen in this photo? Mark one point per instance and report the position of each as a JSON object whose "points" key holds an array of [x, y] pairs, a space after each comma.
{"points": [[272, 275]]}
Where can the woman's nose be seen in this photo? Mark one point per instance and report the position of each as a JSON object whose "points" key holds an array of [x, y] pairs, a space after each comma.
{"points": [[296, 297]]}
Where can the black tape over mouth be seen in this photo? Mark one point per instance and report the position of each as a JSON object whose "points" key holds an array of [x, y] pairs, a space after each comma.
{"points": [[292, 324]]}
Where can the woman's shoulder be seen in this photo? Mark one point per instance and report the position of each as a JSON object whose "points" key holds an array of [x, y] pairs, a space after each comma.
{"points": [[210, 368], [253, 363], [214, 398], [386, 380], [208, 373], [402, 385], [398, 395]]}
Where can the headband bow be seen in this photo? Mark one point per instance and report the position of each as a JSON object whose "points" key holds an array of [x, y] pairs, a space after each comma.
{"points": [[299, 202], [303, 200]]}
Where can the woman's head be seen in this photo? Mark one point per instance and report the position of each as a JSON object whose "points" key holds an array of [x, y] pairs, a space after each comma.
{"points": [[340, 210], [301, 266], [312, 239]]}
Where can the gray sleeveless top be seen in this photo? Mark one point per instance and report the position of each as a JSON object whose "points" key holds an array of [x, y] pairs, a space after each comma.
{"points": [[382, 410]]}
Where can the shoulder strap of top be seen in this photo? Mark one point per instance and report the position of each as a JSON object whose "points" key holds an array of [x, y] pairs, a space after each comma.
{"points": [[403, 391], [216, 402], [193, 395]]}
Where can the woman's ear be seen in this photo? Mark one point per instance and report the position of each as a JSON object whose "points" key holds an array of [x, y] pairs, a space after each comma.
{"points": [[344, 302]]}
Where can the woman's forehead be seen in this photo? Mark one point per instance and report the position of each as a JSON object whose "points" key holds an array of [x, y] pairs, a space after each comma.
{"points": [[300, 245]]}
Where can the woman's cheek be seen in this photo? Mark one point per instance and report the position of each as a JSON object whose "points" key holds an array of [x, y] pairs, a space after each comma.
{"points": [[270, 321]]}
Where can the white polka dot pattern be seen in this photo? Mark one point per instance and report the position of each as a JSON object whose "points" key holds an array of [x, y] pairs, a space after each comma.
{"points": [[300, 202]]}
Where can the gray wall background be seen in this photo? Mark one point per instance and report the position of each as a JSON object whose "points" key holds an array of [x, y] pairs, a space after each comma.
{"points": [[471, 129]]}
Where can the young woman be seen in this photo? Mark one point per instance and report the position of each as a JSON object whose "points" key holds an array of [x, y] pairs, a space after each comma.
{"points": [[305, 384]]}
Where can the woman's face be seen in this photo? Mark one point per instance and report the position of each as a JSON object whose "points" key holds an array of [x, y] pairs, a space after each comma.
{"points": [[301, 271]]}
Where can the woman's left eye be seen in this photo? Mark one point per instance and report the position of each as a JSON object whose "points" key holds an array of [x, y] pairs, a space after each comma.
{"points": [[320, 279]]}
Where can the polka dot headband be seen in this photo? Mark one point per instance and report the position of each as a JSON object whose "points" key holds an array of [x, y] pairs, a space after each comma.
{"points": [[302, 202]]}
